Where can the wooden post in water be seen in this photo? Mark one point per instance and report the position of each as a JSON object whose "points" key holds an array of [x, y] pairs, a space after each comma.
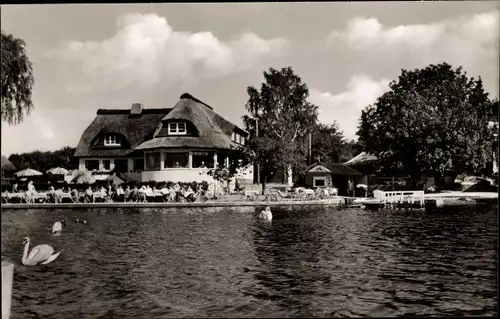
{"points": [[7, 276]]}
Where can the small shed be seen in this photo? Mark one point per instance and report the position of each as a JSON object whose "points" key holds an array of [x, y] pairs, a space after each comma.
{"points": [[340, 176]]}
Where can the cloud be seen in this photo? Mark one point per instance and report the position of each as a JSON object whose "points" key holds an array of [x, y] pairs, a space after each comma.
{"points": [[345, 107], [367, 33], [146, 51], [470, 41]]}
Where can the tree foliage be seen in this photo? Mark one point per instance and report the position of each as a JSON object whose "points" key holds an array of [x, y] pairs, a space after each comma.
{"points": [[431, 120], [283, 115], [43, 161], [17, 79], [328, 144], [239, 161]]}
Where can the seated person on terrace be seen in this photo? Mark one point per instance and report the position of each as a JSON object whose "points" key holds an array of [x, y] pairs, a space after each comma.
{"points": [[189, 194], [176, 187], [88, 194], [134, 193], [164, 190], [203, 165], [104, 191], [74, 193], [120, 191], [15, 188], [127, 192], [31, 188]]}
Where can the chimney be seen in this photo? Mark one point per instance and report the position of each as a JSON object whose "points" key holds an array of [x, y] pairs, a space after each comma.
{"points": [[136, 109]]}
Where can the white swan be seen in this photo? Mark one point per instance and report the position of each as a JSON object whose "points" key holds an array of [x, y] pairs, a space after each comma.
{"points": [[41, 254], [57, 227], [266, 214]]}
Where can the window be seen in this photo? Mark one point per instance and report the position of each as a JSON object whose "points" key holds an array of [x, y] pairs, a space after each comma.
{"points": [[111, 140], [91, 165], [153, 161], [176, 160], [221, 160], [177, 128], [106, 164], [121, 165], [319, 182], [138, 164], [236, 137], [203, 159]]}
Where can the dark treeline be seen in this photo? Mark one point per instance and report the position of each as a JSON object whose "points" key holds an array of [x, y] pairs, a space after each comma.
{"points": [[43, 161]]}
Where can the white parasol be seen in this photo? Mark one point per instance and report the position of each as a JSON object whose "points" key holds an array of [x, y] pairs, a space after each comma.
{"points": [[28, 172], [57, 171]]}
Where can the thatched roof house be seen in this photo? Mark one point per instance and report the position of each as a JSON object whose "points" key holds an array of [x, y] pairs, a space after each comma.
{"points": [[206, 129], [190, 135], [132, 128]]}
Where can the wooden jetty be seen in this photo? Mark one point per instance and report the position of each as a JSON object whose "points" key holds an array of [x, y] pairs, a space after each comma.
{"points": [[420, 200]]}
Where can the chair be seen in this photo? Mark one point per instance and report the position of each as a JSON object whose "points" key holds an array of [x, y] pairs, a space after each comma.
{"points": [[98, 195], [308, 194]]}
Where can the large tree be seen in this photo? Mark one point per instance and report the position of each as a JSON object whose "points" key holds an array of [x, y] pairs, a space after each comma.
{"points": [[283, 116], [431, 120], [17, 79]]}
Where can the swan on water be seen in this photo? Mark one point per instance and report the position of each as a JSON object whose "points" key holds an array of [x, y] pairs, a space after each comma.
{"points": [[57, 227], [41, 254], [266, 214]]}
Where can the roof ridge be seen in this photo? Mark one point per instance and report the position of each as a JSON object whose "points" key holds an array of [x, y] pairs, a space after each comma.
{"points": [[189, 96], [127, 111]]}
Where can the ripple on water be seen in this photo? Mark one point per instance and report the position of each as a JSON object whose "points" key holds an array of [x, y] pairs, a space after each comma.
{"points": [[204, 262]]}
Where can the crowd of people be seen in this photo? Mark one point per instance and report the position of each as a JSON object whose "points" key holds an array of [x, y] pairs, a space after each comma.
{"points": [[107, 192]]}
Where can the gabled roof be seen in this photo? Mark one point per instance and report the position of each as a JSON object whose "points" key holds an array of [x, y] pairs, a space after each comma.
{"points": [[135, 128], [361, 158], [214, 131], [336, 169]]}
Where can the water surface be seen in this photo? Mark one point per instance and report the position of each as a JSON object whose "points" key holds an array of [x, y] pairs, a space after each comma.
{"points": [[222, 262]]}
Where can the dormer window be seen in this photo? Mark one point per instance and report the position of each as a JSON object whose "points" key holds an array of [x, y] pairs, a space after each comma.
{"points": [[111, 140], [237, 138], [177, 128]]}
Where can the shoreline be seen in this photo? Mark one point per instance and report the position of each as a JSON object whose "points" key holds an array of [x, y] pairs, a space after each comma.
{"points": [[324, 202]]}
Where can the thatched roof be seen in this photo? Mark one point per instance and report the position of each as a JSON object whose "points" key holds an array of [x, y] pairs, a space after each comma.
{"points": [[135, 128], [361, 158], [337, 169], [7, 165], [213, 130]]}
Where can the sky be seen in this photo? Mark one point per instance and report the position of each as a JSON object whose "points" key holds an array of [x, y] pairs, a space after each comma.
{"points": [[87, 57]]}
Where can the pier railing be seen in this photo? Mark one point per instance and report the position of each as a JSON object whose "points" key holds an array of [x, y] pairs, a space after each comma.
{"points": [[400, 197]]}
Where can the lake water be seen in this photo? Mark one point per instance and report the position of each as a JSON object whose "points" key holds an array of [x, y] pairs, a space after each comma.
{"points": [[202, 262]]}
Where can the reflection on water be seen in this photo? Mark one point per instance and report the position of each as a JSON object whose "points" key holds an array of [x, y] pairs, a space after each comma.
{"points": [[309, 261]]}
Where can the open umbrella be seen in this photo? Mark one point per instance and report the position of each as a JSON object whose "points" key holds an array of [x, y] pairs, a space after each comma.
{"points": [[57, 171], [83, 179], [28, 172], [115, 179]]}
